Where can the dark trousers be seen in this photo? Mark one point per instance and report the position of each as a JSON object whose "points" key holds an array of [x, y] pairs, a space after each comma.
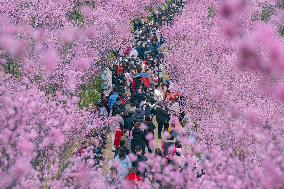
{"points": [[148, 145], [160, 128]]}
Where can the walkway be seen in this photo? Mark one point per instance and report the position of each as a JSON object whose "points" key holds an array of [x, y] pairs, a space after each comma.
{"points": [[145, 57]]}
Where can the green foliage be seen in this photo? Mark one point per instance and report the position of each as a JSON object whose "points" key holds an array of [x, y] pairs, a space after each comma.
{"points": [[266, 12], [76, 17], [149, 18], [91, 92], [111, 56], [38, 78], [12, 67], [211, 12], [166, 6], [281, 30], [51, 90]]}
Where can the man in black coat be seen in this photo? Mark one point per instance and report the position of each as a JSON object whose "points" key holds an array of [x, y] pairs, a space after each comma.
{"points": [[139, 115], [161, 117], [128, 120], [138, 138], [138, 97]]}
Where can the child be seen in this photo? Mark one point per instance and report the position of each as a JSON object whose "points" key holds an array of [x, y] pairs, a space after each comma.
{"points": [[113, 178]]}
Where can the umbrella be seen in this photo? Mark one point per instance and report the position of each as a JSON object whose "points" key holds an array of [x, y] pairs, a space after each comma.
{"points": [[144, 75]]}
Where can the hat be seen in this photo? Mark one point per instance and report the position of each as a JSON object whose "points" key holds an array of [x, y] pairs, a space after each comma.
{"points": [[159, 103]]}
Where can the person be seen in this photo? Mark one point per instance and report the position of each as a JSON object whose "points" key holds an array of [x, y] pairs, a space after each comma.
{"points": [[128, 120], [133, 179], [150, 130], [138, 138], [179, 157], [113, 178], [123, 99], [175, 125], [102, 112], [117, 137], [161, 117], [119, 70], [123, 145], [140, 158], [156, 79], [98, 153], [116, 107], [104, 101], [139, 115], [126, 51], [106, 78], [147, 109], [82, 150], [138, 97], [168, 146], [198, 167], [112, 100], [123, 162], [158, 152]]}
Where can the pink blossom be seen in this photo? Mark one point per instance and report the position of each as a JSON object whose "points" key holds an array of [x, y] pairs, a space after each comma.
{"points": [[21, 168], [25, 147], [50, 60], [69, 34], [149, 136], [132, 157], [143, 126], [56, 137], [2, 61], [82, 64]]}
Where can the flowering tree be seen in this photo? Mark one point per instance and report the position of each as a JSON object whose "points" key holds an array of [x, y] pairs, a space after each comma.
{"points": [[218, 58], [220, 55], [48, 49]]}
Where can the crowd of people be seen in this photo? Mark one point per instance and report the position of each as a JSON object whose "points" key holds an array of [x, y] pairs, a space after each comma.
{"points": [[141, 94], [143, 98]]}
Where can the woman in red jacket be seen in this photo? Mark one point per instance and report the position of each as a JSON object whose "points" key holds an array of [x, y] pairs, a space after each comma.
{"points": [[117, 137]]}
